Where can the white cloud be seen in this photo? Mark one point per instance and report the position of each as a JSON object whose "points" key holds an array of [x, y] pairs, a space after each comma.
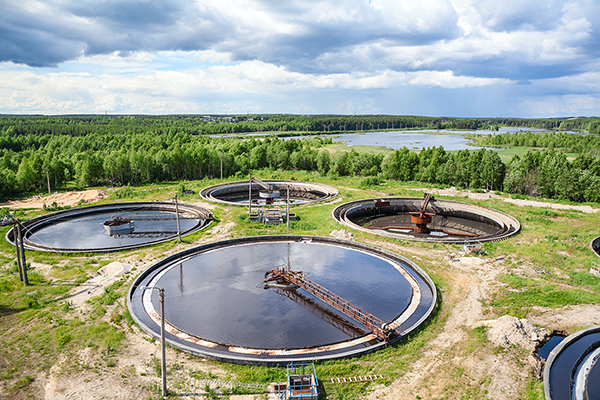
{"points": [[184, 55]]}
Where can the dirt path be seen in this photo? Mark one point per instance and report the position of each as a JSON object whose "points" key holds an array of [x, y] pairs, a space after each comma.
{"points": [[62, 199], [95, 285], [470, 280]]}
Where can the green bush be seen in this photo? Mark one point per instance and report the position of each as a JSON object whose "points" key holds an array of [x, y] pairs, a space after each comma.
{"points": [[125, 192], [370, 181]]}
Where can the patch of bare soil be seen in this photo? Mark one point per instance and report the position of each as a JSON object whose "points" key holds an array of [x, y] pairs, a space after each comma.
{"points": [[447, 368], [569, 318], [62, 199], [220, 232], [522, 203], [342, 234], [201, 203], [134, 374], [95, 285]]}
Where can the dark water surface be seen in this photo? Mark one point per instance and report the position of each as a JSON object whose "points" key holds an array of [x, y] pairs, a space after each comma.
{"points": [[593, 382], [87, 231], [219, 296], [545, 350], [565, 365]]}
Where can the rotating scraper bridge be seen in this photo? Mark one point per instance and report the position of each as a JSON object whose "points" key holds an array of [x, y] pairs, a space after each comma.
{"points": [[427, 219]]}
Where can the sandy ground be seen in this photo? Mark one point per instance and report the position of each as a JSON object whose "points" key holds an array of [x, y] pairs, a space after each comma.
{"points": [[470, 279], [95, 285], [569, 318], [62, 199]]}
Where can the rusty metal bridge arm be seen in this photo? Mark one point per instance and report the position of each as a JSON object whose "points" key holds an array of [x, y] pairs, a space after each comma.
{"points": [[426, 199], [325, 314], [264, 185], [371, 322]]}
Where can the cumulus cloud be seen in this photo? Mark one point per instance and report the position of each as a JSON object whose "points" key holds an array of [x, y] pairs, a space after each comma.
{"points": [[323, 36], [152, 54]]}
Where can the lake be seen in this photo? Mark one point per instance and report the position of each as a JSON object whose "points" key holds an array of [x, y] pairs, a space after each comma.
{"points": [[418, 139], [413, 140]]}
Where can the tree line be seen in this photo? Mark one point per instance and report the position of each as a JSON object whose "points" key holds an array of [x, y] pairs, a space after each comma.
{"points": [[29, 161], [40, 129], [132, 159], [553, 140]]}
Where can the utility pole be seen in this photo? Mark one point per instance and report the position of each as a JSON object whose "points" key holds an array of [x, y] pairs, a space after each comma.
{"points": [[163, 361], [177, 213], [15, 237], [23, 262], [18, 233], [48, 180], [249, 195]]}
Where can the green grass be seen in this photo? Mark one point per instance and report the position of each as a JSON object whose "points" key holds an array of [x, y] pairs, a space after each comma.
{"points": [[534, 390], [507, 153], [526, 293], [342, 146]]}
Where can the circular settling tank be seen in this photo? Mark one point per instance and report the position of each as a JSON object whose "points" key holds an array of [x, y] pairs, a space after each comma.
{"points": [[238, 193], [436, 220], [595, 245], [218, 306], [111, 227], [572, 371]]}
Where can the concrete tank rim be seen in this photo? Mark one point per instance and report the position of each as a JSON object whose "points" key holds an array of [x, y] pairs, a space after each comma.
{"points": [[566, 342], [279, 360], [330, 191], [200, 211], [335, 213]]}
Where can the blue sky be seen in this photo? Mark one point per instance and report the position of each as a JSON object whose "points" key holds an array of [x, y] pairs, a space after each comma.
{"points": [[469, 58]]}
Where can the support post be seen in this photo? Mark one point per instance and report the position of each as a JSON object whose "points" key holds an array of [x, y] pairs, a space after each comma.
{"points": [[17, 248], [163, 362], [221, 157], [288, 206], [177, 213], [23, 262], [249, 195]]}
